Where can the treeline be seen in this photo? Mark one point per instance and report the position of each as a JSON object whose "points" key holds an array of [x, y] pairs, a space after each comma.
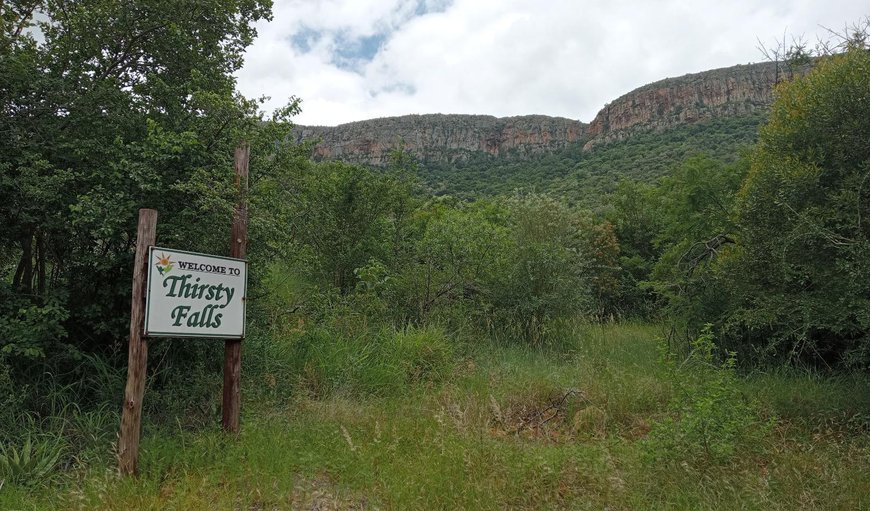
{"points": [[371, 239], [765, 244]]}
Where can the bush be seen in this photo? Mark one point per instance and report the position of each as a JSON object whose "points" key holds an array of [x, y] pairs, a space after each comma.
{"points": [[558, 264], [710, 419], [32, 463], [798, 281], [28, 328]]}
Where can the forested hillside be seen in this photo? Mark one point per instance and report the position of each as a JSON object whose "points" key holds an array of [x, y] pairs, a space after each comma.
{"points": [[584, 176]]}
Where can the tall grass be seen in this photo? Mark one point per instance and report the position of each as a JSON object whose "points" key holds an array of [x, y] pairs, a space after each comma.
{"points": [[406, 419], [325, 361]]}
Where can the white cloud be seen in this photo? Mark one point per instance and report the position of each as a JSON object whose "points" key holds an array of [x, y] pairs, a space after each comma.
{"points": [[376, 58]]}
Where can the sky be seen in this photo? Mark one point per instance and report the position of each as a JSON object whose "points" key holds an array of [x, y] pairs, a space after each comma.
{"points": [[350, 60]]}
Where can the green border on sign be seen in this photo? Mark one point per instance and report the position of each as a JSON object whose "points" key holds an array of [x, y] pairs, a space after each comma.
{"points": [[151, 250]]}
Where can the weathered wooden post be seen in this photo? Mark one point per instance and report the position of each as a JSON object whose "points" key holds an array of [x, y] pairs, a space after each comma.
{"points": [[238, 248], [137, 358]]}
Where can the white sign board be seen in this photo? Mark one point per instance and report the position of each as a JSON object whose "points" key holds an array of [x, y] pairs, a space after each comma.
{"points": [[195, 295]]}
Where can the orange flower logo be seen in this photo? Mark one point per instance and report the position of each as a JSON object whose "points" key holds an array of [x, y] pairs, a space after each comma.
{"points": [[164, 264]]}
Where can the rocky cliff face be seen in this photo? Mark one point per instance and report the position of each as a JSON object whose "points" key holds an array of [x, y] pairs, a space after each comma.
{"points": [[726, 92], [441, 138], [437, 138]]}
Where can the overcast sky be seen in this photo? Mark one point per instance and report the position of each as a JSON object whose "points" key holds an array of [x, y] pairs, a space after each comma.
{"points": [[351, 60]]}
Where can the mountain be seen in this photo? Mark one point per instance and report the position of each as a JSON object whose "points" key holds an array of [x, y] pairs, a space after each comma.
{"points": [[438, 138], [640, 135]]}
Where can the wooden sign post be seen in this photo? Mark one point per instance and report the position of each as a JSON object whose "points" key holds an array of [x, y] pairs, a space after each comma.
{"points": [[189, 295], [137, 355], [238, 247]]}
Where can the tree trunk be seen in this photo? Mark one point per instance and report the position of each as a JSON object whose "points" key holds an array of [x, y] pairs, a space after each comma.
{"points": [[23, 280], [40, 264]]}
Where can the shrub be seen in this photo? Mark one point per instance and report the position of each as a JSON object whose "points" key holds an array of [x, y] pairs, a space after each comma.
{"points": [[798, 281], [552, 266], [28, 328], [31, 463], [710, 419]]}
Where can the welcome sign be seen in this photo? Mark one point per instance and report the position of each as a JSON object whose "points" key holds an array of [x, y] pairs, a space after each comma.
{"points": [[195, 295]]}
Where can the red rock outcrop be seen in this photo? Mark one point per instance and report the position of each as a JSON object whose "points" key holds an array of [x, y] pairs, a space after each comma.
{"points": [[726, 92], [441, 138]]}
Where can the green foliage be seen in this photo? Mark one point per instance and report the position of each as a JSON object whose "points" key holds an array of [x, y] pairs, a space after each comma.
{"points": [[116, 107], [697, 233], [456, 255], [672, 237], [798, 276], [636, 223], [643, 185], [711, 419], [645, 157], [551, 265], [31, 463], [365, 246], [27, 328], [343, 216]]}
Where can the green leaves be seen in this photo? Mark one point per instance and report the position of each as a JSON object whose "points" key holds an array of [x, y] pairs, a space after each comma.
{"points": [[27, 330], [710, 420], [119, 106], [32, 463], [801, 207], [558, 262], [345, 216], [778, 260]]}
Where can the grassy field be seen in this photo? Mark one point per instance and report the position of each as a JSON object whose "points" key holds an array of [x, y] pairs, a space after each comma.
{"points": [[510, 427]]}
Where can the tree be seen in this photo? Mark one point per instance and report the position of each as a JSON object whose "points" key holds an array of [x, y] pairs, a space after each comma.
{"points": [[695, 208], [553, 267], [803, 264], [789, 59], [636, 225], [458, 251], [106, 107], [343, 216]]}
